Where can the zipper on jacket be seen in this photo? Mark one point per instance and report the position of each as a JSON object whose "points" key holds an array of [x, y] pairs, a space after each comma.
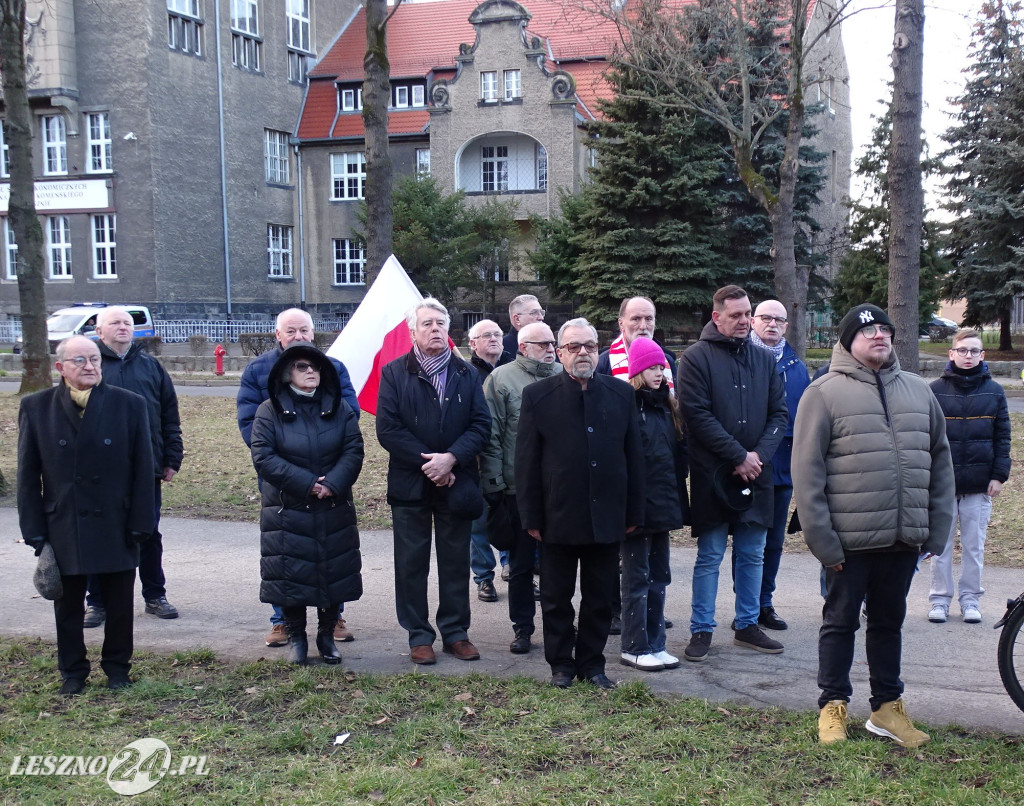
{"points": [[896, 449]]}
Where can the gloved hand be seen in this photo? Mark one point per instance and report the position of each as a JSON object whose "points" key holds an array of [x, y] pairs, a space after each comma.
{"points": [[133, 539], [36, 542]]}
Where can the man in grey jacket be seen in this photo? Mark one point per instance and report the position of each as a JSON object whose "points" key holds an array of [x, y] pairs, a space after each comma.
{"points": [[873, 482]]}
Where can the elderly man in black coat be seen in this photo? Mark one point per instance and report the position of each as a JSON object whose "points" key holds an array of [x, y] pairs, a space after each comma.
{"points": [[734, 405], [85, 484], [579, 479]]}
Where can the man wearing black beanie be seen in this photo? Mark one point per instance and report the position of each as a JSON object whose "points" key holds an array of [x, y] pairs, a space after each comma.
{"points": [[873, 482]]}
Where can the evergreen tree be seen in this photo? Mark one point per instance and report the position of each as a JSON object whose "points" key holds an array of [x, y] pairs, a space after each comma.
{"points": [[559, 244], [986, 166]]}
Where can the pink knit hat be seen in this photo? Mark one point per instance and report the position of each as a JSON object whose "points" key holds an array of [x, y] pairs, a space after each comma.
{"points": [[644, 354]]}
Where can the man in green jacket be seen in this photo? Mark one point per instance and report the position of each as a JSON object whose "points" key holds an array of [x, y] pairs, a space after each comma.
{"points": [[873, 482]]}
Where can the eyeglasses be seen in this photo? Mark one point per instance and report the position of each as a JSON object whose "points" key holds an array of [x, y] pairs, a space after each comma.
{"points": [[973, 352], [768, 318], [81, 360], [873, 330], [544, 344], [492, 335], [305, 366], [575, 347]]}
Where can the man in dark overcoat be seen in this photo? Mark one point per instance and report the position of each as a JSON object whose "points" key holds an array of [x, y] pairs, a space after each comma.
{"points": [[85, 485], [580, 484], [734, 406]]}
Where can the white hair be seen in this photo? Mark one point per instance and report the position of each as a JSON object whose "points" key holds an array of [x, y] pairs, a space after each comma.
{"points": [[526, 331], [426, 302], [520, 302], [106, 313], [287, 311], [578, 322], [474, 332]]}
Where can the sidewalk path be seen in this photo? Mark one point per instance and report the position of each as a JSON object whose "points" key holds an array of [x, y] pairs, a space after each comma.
{"points": [[212, 572]]}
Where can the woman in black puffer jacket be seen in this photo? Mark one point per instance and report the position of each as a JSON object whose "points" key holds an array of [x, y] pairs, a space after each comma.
{"points": [[308, 451]]}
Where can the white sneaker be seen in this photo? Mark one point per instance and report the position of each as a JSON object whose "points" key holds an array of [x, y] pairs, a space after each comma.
{"points": [[645, 663], [972, 615], [669, 661], [938, 613]]}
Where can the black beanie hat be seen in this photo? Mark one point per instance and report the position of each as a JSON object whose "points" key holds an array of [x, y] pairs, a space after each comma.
{"points": [[859, 317]]}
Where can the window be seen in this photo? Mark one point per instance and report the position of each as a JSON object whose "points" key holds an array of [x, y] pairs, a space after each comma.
{"points": [[351, 100], [5, 154], [58, 247], [98, 124], [299, 43], [10, 251], [348, 172], [279, 250], [349, 262], [489, 87], [183, 26], [418, 95], [542, 167], [422, 162], [275, 157], [245, 32], [494, 167], [513, 84], [104, 246], [401, 97], [55, 145]]}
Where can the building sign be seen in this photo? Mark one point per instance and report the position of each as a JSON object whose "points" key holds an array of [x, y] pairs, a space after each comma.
{"points": [[65, 195]]}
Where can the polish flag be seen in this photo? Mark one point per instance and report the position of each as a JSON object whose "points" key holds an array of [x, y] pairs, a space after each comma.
{"points": [[377, 332]]}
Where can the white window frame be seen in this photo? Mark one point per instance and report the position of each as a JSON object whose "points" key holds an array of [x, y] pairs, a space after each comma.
{"points": [[58, 247], [246, 45], [276, 157], [401, 96], [419, 95], [348, 176], [494, 159], [513, 84], [184, 26], [349, 262], [279, 251], [298, 17], [489, 86], [10, 247], [422, 162], [351, 100], [542, 167], [5, 152], [55, 145], [104, 246], [99, 144]]}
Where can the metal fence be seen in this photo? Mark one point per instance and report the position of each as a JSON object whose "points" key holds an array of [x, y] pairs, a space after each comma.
{"points": [[10, 330], [179, 330]]}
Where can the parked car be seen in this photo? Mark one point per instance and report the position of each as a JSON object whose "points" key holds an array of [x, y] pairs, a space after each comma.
{"points": [[938, 328], [80, 319]]}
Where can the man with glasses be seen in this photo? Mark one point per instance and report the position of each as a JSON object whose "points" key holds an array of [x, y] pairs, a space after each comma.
{"points": [[487, 353], [579, 483], [769, 332], [85, 486], [503, 391], [873, 482], [735, 412], [523, 310], [978, 429]]}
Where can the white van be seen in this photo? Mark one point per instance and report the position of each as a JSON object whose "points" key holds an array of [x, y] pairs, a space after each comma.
{"points": [[80, 320]]}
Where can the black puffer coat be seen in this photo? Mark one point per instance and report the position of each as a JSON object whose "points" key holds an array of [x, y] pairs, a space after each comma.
{"points": [[665, 464], [309, 547], [977, 426]]}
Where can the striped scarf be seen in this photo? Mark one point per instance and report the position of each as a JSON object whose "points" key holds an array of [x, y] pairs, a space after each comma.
{"points": [[775, 351], [434, 366], [618, 358]]}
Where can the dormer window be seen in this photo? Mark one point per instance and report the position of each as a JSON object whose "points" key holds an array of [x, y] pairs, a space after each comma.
{"points": [[350, 100], [401, 97]]}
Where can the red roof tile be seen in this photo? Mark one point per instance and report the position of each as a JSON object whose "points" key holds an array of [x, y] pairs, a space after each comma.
{"points": [[408, 122]]}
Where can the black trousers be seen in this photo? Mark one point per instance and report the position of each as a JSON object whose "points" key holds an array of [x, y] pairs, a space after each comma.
{"points": [[882, 580], [567, 649], [118, 592], [521, 605]]}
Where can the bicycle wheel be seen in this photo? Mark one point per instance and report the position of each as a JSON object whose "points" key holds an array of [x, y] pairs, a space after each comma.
{"points": [[1011, 656]]}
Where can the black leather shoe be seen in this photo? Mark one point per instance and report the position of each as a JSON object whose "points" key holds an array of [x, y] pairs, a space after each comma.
{"points": [[327, 648], [601, 681], [485, 591], [770, 619], [118, 682], [73, 686], [616, 628], [520, 644], [562, 679]]}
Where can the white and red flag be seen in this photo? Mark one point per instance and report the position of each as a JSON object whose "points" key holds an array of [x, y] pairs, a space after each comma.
{"points": [[377, 332]]}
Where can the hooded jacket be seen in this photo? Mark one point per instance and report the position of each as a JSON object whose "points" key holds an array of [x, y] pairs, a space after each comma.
{"points": [[665, 463], [309, 546], [977, 426], [871, 463], [733, 402]]}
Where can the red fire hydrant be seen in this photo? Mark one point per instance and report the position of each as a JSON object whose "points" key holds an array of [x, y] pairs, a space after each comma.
{"points": [[218, 353]]}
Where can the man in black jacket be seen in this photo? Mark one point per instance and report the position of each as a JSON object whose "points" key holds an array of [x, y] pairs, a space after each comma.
{"points": [[85, 486], [580, 490], [128, 365], [433, 421], [735, 411]]}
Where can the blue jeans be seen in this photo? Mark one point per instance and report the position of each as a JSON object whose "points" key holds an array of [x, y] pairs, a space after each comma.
{"points": [[645, 575], [774, 540], [481, 555], [748, 548]]}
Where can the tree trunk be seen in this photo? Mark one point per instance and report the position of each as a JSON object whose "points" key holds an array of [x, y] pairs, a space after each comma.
{"points": [[28, 232], [379, 172], [906, 194], [1005, 330]]}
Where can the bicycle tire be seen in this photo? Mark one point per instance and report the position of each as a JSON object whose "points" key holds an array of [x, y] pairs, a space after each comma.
{"points": [[1011, 656]]}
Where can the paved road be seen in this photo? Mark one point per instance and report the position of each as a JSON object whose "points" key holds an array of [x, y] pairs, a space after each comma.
{"points": [[213, 579]]}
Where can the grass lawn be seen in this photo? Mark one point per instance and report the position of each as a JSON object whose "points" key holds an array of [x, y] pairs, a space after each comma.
{"points": [[268, 734]]}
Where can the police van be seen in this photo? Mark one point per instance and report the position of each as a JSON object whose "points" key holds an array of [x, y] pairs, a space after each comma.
{"points": [[80, 320]]}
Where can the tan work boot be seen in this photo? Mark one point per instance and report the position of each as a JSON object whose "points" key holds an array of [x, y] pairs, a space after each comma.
{"points": [[278, 636], [891, 721], [341, 632], [832, 722]]}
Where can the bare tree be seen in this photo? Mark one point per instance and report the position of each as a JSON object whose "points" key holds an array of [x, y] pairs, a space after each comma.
{"points": [[379, 169], [28, 232], [905, 191]]}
